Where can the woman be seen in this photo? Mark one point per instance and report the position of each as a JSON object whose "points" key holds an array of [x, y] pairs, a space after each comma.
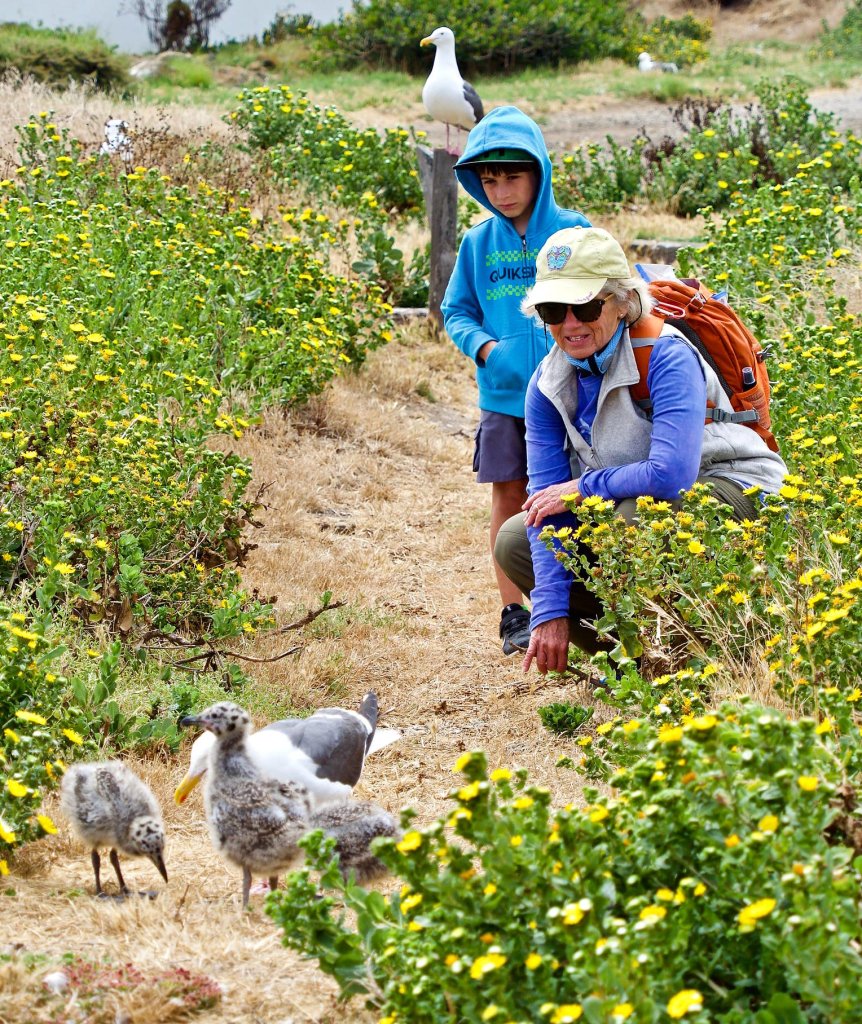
{"points": [[587, 436]]}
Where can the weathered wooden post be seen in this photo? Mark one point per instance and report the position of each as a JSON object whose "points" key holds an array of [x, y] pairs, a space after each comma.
{"points": [[440, 188]]}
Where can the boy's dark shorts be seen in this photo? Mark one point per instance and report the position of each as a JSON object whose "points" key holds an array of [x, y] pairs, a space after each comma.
{"points": [[501, 448]]}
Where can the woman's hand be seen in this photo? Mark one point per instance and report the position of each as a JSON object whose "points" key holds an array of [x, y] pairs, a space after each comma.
{"points": [[548, 501], [549, 647]]}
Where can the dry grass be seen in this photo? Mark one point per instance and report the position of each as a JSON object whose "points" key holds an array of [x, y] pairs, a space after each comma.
{"points": [[83, 111]]}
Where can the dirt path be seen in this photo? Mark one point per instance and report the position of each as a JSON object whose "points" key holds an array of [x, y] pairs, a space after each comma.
{"points": [[372, 498]]}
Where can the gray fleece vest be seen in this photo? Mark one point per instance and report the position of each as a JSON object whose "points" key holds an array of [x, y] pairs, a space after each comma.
{"points": [[622, 432]]}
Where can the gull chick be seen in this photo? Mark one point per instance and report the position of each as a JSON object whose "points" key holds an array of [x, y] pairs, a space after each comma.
{"points": [[108, 805], [256, 821], [353, 826], [325, 752]]}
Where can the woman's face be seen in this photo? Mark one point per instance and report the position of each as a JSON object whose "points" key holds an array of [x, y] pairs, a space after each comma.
{"points": [[581, 340]]}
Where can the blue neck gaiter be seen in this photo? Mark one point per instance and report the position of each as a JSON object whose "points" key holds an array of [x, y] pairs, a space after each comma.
{"points": [[597, 363]]}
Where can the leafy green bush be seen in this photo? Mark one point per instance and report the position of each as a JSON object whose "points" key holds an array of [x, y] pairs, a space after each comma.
{"points": [[564, 718], [318, 149], [58, 56], [134, 312], [284, 25], [368, 177], [718, 151], [508, 35], [38, 735], [699, 889], [596, 178], [680, 40], [846, 39]]}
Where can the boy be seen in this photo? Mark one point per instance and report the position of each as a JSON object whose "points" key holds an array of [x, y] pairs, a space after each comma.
{"points": [[506, 168]]}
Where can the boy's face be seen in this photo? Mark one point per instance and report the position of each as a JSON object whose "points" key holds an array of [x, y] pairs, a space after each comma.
{"points": [[512, 193]]}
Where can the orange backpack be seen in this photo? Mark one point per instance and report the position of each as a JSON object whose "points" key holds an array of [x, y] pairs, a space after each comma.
{"points": [[723, 340]]}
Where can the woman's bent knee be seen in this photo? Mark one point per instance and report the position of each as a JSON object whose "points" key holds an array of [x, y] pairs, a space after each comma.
{"points": [[512, 552]]}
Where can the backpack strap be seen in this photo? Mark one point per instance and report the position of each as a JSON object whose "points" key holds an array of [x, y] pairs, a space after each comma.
{"points": [[642, 345]]}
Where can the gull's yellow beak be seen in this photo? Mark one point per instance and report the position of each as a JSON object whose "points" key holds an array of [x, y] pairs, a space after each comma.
{"points": [[185, 787], [426, 41]]}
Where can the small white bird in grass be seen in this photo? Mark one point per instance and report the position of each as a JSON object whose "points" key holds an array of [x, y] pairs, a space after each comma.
{"points": [[256, 822], [108, 805], [646, 63], [117, 141], [447, 97], [325, 752]]}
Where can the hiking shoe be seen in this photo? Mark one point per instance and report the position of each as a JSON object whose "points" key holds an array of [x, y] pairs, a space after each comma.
{"points": [[515, 629]]}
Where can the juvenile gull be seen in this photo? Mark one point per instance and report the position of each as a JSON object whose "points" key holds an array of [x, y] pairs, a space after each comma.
{"points": [[324, 752], [108, 805], [353, 825], [447, 97], [256, 822]]}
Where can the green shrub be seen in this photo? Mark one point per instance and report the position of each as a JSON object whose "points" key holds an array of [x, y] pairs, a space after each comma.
{"points": [[367, 176], [699, 889], [508, 35], [846, 39], [58, 56], [37, 734], [136, 313], [564, 718], [717, 151], [284, 25], [680, 40]]}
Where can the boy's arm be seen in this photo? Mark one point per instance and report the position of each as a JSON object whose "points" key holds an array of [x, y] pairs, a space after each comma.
{"points": [[462, 313]]}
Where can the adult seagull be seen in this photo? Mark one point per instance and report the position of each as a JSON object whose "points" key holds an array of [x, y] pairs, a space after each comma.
{"points": [[325, 752], [447, 97], [256, 822], [646, 63]]}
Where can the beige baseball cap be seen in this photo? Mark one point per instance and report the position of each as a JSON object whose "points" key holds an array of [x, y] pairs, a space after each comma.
{"points": [[574, 265]]}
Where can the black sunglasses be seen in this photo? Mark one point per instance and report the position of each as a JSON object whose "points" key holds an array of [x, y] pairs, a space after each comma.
{"points": [[554, 313]]}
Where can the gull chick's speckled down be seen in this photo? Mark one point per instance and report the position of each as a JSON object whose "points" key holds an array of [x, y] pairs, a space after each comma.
{"points": [[256, 821], [325, 752], [108, 805]]}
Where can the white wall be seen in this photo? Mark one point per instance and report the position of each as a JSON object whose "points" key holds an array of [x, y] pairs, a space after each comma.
{"points": [[125, 31]]}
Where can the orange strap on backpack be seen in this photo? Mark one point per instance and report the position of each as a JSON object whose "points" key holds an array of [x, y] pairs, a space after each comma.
{"points": [[725, 344]]}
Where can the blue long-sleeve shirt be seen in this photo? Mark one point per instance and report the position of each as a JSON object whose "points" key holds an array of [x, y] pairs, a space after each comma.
{"points": [[677, 387]]}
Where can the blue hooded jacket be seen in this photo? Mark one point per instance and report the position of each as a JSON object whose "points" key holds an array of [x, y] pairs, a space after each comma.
{"points": [[496, 267]]}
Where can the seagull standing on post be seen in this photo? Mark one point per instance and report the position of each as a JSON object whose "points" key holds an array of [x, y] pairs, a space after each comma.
{"points": [[447, 97]]}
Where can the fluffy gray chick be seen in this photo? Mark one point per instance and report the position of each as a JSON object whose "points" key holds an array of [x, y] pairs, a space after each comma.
{"points": [[255, 821], [108, 805], [354, 825]]}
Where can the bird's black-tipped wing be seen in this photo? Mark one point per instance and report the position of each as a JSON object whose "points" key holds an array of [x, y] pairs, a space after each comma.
{"points": [[369, 709], [472, 97]]}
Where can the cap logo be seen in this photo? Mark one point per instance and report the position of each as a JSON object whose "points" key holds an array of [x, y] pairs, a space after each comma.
{"points": [[558, 256]]}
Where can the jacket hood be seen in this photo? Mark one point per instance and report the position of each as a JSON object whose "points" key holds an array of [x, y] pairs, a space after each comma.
{"points": [[509, 128]]}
